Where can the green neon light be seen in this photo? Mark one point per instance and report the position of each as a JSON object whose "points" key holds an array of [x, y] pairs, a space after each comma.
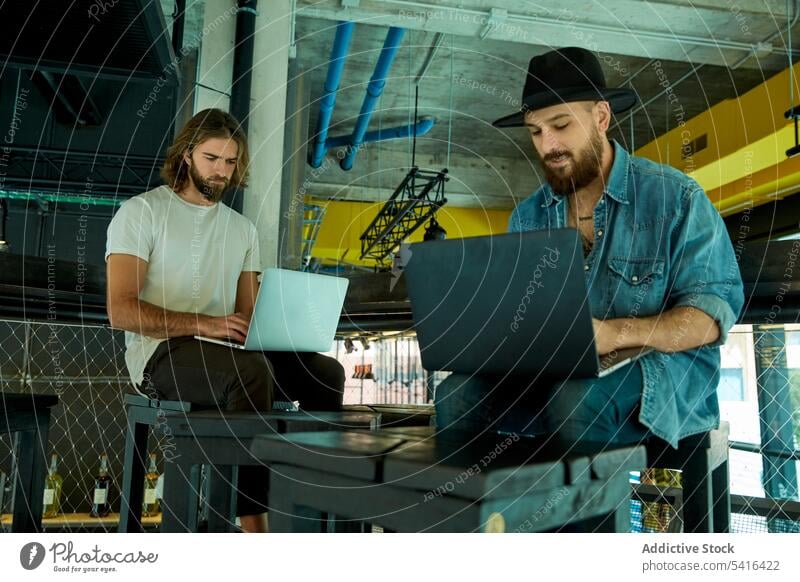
{"points": [[91, 201]]}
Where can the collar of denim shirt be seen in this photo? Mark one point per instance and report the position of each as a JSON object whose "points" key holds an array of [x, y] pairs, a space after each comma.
{"points": [[617, 185]]}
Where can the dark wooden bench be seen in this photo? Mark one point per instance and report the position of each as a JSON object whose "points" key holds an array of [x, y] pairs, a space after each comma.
{"points": [[221, 441], [413, 480], [26, 418]]}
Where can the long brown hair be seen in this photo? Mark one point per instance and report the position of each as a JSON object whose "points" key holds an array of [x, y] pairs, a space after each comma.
{"points": [[207, 124]]}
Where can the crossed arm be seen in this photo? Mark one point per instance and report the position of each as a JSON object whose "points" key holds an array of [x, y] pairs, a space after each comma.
{"points": [[678, 329], [126, 275]]}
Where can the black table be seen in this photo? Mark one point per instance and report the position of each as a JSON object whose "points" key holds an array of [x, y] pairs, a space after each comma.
{"points": [[27, 417], [222, 440], [414, 480]]}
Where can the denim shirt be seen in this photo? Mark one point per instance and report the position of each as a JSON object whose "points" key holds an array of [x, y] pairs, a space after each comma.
{"points": [[659, 244]]}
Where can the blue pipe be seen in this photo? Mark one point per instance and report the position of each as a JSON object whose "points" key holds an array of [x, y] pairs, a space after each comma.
{"points": [[422, 127], [374, 89], [341, 45]]}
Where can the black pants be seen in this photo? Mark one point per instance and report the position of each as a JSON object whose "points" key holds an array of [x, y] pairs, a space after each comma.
{"points": [[213, 376]]}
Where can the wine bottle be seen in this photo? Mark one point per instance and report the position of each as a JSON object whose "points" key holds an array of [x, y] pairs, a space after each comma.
{"points": [[150, 504], [4, 492], [102, 487], [52, 489]]}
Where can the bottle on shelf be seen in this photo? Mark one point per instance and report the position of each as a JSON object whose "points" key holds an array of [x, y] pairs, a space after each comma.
{"points": [[150, 503], [4, 492], [102, 487], [53, 483]]}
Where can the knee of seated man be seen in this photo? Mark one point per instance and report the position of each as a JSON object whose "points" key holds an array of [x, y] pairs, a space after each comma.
{"points": [[249, 385], [255, 370], [337, 375], [329, 378], [573, 404], [329, 372]]}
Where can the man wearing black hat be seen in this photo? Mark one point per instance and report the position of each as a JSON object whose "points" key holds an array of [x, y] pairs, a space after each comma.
{"points": [[660, 272]]}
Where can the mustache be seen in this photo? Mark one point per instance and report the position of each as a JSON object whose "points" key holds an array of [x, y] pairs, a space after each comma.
{"points": [[554, 155]]}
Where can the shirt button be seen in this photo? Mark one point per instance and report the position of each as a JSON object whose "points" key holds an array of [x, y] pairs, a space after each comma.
{"points": [[599, 233], [634, 278], [586, 267]]}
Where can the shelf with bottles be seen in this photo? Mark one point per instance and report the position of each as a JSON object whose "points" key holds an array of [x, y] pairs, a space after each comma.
{"points": [[100, 494], [78, 520]]}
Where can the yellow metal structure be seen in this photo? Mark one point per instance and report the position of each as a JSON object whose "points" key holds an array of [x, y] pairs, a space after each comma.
{"points": [[743, 163], [338, 240]]}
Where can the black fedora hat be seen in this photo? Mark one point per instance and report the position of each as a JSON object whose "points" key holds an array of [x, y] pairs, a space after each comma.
{"points": [[562, 76]]}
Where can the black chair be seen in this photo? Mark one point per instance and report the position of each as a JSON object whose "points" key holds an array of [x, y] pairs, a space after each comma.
{"points": [[143, 413], [703, 461], [27, 417]]}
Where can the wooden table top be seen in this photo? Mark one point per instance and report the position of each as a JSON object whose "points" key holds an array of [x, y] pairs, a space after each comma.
{"points": [[423, 460]]}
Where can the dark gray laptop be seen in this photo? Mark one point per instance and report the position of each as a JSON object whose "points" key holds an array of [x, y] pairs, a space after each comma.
{"points": [[512, 303]]}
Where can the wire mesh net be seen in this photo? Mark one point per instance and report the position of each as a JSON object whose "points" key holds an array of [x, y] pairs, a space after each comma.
{"points": [[84, 366]]}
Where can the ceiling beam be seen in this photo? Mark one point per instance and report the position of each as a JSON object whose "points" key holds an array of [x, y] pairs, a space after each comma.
{"points": [[712, 35]]}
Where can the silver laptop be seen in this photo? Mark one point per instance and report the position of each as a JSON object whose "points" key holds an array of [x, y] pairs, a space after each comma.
{"points": [[294, 312]]}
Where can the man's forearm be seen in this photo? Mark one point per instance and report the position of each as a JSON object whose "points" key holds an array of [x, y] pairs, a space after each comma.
{"points": [[676, 330], [151, 320]]}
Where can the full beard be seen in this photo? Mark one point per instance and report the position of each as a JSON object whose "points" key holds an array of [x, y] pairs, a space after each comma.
{"points": [[566, 180], [211, 190]]}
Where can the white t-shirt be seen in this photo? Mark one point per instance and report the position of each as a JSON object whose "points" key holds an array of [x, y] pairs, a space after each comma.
{"points": [[195, 255]]}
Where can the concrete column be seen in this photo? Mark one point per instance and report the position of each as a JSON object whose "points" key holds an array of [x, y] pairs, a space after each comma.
{"points": [[262, 199], [293, 187], [215, 65]]}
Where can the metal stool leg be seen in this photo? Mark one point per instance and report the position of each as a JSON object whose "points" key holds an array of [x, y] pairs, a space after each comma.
{"points": [[28, 492], [720, 484], [222, 498], [179, 507], [130, 514], [697, 498]]}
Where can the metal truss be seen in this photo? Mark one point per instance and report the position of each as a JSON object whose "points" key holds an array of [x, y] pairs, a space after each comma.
{"points": [[312, 221], [419, 195], [78, 173]]}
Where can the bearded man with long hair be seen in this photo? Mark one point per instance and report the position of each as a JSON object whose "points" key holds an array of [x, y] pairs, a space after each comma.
{"points": [[180, 264]]}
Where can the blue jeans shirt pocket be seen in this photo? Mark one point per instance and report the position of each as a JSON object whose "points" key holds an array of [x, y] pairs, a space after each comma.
{"points": [[636, 286]]}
